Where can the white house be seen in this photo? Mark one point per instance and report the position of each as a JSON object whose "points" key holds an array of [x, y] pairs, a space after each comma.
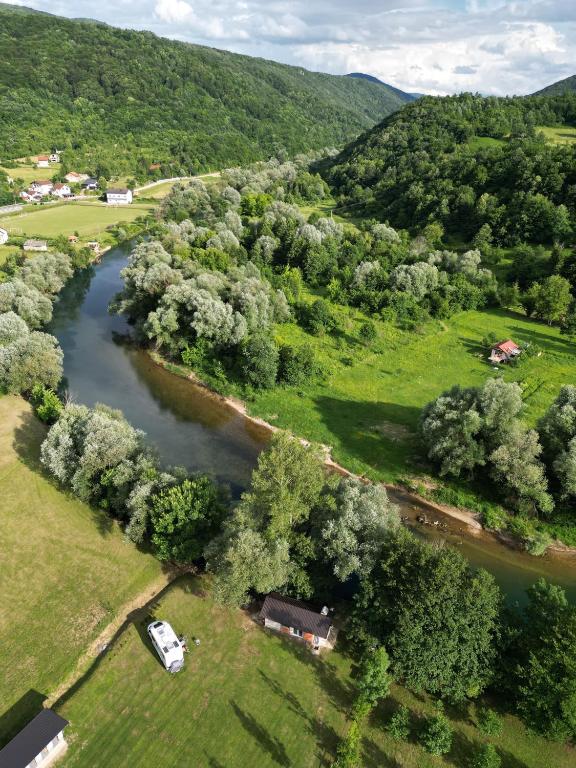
{"points": [[297, 620], [35, 245], [37, 744], [119, 196], [43, 161], [43, 187], [90, 183], [61, 190], [55, 157], [3, 236]]}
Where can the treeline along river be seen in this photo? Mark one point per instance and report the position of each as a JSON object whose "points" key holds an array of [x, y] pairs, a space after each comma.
{"points": [[191, 428]]}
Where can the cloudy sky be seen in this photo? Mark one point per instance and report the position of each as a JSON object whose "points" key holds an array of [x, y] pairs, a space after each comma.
{"points": [[433, 46]]}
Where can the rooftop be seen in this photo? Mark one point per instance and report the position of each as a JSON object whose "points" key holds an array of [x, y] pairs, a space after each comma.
{"points": [[293, 613], [118, 191], [506, 346], [32, 739]]}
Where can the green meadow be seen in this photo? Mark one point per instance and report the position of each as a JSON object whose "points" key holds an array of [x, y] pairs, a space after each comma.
{"points": [[249, 697], [564, 134]]}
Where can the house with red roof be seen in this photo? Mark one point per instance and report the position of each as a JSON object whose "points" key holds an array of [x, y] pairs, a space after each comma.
{"points": [[504, 351], [43, 161]]}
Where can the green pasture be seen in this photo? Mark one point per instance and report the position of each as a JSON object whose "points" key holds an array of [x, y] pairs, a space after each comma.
{"points": [[367, 406], [88, 219], [247, 697], [565, 134], [65, 570], [29, 173]]}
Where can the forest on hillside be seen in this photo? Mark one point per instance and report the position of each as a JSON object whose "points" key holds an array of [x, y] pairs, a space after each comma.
{"points": [[466, 162], [120, 99]]}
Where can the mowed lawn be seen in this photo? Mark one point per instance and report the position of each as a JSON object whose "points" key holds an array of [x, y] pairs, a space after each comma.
{"points": [[30, 173], [64, 572], [565, 134], [368, 406], [88, 219], [246, 697]]}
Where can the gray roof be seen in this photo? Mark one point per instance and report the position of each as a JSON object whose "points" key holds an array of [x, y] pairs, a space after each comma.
{"points": [[117, 191], [32, 739], [293, 613]]}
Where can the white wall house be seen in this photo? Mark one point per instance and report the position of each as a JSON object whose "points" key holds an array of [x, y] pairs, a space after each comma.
{"points": [[43, 161], [61, 190], [35, 245], [43, 187], [295, 619], [37, 744], [55, 157], [3, 236], [119, 196]]}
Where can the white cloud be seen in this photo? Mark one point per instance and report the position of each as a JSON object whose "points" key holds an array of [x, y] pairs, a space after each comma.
{"points": [[173, 11]]}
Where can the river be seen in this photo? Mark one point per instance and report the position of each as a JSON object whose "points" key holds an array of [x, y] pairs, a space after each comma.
{"points": [[191, 428]]}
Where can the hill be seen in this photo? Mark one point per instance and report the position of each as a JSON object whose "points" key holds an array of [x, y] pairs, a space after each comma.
{"points": [[371, 79], [118, 99], [464, 162], [568, 85]]}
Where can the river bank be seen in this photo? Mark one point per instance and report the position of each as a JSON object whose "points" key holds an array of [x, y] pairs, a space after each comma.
{"points": [[468, 518]]}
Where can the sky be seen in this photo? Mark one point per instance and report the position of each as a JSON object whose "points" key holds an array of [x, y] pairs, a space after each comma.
{"points": [[429, 46]]}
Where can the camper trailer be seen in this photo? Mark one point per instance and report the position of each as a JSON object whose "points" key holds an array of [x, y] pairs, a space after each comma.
{"points": [[167, 645]]}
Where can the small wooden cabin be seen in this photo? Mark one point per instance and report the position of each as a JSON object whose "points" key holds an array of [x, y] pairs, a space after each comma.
{"points": [[297, 620]]}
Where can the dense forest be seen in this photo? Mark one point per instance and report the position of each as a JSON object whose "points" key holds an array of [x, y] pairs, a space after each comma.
{"points": [[122, 99], [466, 162], [562, 86]]}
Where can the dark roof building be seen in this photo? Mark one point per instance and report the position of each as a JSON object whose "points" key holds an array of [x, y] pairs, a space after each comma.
{"points": [[295, 615], [37, 741]]}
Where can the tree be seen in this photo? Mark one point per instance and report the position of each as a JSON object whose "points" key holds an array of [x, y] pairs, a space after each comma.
{"points": [[362, 520], [436, 736], [184, 518], [47, 404], [489, 722], [542, 657], [550, 299], [260, 360], [348, 752], [485, 756], [557, 430], [373, 681], [35, 358], [419, 599]]}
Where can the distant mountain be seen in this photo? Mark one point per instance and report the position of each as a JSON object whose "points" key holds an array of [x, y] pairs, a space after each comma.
{"points": [[119, 99], [406, 97], [568, 85]]}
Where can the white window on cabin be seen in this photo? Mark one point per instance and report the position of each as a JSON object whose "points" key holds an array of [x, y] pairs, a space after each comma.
{"points": [[296, 632]]}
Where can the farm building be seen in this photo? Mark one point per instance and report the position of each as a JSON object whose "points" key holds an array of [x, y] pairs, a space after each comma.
{"points": [[3, 236], [43, 161], [90, 183], [35, 245], [119, 196], [504, 351], [293, 618], [37, 744]]}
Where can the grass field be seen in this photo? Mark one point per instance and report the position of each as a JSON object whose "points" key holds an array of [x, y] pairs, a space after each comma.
{"points": [[481, 142], [565, 134], [246, 697], [368, 407], [64, 572], [88, 219], [29, 173]]}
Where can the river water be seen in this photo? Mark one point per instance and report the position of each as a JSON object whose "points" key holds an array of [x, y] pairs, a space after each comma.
{"points": [[190, 427]]}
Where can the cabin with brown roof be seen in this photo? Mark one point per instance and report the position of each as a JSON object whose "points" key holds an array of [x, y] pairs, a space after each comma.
{"points": [[504, 351], [298, 621]]}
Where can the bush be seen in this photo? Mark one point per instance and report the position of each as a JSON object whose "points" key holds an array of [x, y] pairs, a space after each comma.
{"points": [[317, 317], [436, 736], [399, 725], [486, 756], [489, 722], [46, 403], [297, 364], [494, 518], [259, 357], [368, 331]]}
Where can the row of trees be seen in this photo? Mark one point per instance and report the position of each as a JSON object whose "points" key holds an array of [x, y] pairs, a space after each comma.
{"points": [[27, 355], [478, 430]]}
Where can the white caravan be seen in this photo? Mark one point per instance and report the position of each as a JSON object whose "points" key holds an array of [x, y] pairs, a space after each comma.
{"points": [[167, 645]]}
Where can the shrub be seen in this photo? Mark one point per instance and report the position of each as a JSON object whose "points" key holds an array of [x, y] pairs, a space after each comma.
{"points": [[297, 364], [436, 736], [368, 331], [489, 722], [317, 317], [399, 725], [486, 756], [46, 403], [260, 361]]}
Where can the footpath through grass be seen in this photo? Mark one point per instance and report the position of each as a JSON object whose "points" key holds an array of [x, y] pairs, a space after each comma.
{"points": [[65, 570], [247, 697], [368, 406]]}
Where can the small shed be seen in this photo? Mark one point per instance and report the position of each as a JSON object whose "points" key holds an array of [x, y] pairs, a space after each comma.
{"points": [[504, 351], [296, 619], [37, 744]]}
